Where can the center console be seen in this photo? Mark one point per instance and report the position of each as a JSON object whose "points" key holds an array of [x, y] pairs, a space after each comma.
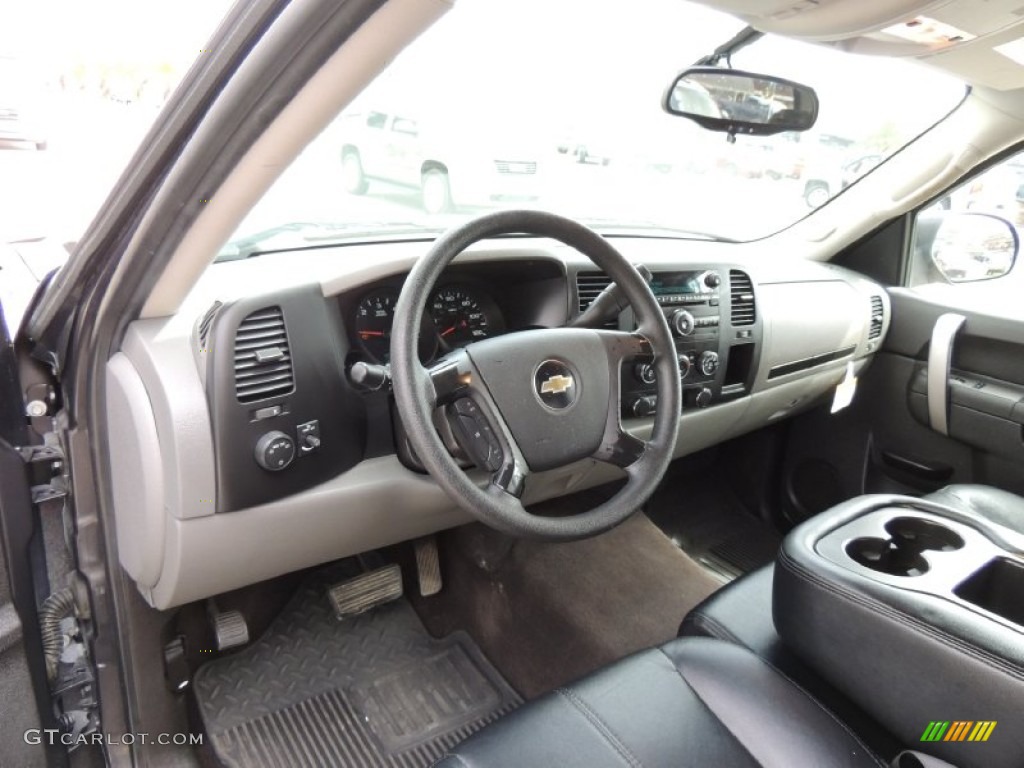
{"points": [[712, 318], [916, 612]]}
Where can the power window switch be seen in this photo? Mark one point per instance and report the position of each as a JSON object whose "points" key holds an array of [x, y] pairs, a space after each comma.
{"points": [[309, 436]]}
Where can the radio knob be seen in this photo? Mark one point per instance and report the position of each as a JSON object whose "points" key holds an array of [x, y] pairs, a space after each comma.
{"points": [[683, 322], [685, 364], [645, 373], [712, 280], [275, 451], [709, 363]]}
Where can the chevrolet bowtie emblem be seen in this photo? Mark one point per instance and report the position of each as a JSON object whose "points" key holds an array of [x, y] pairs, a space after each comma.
{"points": [[555, 385]]}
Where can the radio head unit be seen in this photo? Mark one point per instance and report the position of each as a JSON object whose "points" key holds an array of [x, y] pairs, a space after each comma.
{"points": [[690, 287]]}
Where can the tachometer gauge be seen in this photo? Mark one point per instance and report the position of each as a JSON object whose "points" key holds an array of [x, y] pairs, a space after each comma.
{"points": [[374, 316], [460, 316]]}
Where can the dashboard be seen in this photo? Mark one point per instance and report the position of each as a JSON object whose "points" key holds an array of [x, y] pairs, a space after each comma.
{"points": [[242, 450]]}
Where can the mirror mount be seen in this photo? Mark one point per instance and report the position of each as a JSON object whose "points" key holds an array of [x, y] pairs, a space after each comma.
{"points": [[734, 102], [725, 51]]}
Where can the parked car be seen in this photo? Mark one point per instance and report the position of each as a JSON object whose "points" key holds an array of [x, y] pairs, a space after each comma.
{"points": [[824, 179], [21, 117], [450, 164]]}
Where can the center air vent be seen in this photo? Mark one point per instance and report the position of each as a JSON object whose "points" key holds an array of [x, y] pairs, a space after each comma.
{"points": [[589, 285], [877, 317], [263, 362], [741, 298]]}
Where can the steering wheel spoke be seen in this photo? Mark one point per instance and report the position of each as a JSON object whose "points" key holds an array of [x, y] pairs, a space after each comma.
{"points": [[476, 421], [622, 345]]}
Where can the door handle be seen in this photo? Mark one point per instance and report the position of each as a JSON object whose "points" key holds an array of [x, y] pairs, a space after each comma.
{"points": [[940, 355]]}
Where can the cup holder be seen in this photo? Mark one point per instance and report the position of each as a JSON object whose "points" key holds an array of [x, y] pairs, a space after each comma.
{"points": [[922, 534], [901, 554]]}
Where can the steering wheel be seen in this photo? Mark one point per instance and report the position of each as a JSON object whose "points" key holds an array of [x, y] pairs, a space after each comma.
{"points": [[534, 400]]}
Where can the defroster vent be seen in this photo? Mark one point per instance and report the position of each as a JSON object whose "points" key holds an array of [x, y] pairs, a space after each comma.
{"points": [[263, 361], [741, 298]]}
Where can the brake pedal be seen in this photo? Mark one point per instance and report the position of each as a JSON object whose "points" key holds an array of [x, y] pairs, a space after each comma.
{"points": [[428, 566], [365, 591], [230, 629]]}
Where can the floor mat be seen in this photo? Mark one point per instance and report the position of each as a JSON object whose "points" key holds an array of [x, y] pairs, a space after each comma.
{"points": [[373, 690], [549, 613], [705, 521]]}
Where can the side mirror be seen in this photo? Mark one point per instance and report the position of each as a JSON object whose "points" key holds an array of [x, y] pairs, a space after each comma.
{"points": [[974, 246], [731, 101]]}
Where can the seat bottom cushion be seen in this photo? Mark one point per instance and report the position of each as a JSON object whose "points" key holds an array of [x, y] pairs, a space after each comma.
{"points": [[693, 702]]}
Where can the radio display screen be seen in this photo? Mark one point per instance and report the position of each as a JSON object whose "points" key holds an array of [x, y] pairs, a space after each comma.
{"points": [[674, 283]]}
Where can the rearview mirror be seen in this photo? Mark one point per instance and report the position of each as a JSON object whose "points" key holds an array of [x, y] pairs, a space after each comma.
{"points": [[733, 102], [974, 246]]}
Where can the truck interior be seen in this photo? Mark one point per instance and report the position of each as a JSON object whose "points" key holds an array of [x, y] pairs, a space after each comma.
{"points": [[520, 486]]}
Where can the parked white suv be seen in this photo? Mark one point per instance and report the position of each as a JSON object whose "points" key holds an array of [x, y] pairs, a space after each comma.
{"points": [[448, 164]]}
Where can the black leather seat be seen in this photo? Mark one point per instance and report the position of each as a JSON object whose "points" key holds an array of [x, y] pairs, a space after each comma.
{"points": [[693, 702], [741, 613]]}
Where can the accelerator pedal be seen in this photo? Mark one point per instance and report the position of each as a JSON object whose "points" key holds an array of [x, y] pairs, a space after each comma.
{"points": [[365, 591], [428, 566]]}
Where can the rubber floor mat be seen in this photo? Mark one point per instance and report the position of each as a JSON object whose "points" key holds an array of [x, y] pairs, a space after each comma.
{"points": [[373, 690]]}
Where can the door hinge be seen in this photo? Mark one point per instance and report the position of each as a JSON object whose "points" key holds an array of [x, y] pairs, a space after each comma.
{"points": [[45, 465]]}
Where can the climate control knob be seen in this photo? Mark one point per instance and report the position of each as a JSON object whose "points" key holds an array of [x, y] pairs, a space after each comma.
{"points": [[682, 322], [703, 398], [708, 363], [275, 451]]}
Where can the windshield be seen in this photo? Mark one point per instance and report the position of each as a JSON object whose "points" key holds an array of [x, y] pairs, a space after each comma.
{"points": [[528, 103]]}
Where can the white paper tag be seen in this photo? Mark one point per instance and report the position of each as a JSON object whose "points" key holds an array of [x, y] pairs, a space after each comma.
{"points": [[845, 390]]}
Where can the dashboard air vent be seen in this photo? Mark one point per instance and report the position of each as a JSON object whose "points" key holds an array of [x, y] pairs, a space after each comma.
{"points": [[741, 298], [589, 285], [877, 317], [263, 362]]}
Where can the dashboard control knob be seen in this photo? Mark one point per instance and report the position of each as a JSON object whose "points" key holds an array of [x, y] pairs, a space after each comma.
{"points": [[708, 363], [275, 451], [644, 406], [645, 373], [683, 322], [685, 364], [703, 398], [712, 280]]}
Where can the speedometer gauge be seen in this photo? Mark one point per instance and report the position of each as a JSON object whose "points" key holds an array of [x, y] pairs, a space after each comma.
{"points": [[460, 316]]}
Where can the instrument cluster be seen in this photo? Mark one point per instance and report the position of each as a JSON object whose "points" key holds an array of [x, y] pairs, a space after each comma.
{"points": [[457, 314]]}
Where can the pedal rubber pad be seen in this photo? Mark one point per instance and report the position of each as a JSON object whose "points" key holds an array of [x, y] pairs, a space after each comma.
{"points": [[365, 591], [230, 629], [428, 566]]}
